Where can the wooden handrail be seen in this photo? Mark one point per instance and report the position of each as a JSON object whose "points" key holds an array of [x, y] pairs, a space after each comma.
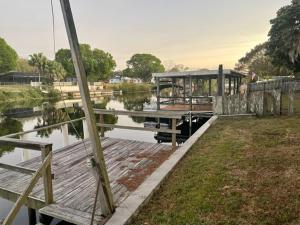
{"points": [[32, 145], [164, 130], [151, 114], [23, 197], [44, 170]]}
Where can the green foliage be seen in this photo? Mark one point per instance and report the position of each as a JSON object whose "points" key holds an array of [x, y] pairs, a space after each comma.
{"points": [[28, 94], [39, 62], [142, 66], [179, 68], [23, 66], [256, 61], [55, 71], [8, 57], [63, 56], [284, 42], [97, 63], [9, 126]]}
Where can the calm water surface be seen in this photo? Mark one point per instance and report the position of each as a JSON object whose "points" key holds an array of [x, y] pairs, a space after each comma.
{"points": [[27, 116]]}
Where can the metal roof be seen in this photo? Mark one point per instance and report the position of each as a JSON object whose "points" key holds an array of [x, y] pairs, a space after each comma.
{"points": [[200, 73]]}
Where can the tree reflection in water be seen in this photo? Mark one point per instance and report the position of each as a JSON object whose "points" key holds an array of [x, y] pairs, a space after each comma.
{"points": [[8, 126], [136, 102]]}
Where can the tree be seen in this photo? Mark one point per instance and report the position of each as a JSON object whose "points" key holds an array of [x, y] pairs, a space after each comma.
{"points": [[256, 61], [179, 68], [39, 62], [143, 65], [23, 66], [8, 57], [98, 64], [63, 56], [284, 37], [55, 71]]}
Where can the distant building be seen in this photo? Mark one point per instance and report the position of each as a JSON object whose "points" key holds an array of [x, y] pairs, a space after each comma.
{"points": [[116, 80], [132, 80], [15, 77]]}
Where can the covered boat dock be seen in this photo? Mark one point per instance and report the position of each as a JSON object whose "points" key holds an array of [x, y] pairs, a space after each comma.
{"points": [[194, 90]]}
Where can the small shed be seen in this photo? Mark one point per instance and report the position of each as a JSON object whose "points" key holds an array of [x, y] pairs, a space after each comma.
{"points": [[193, 90]]}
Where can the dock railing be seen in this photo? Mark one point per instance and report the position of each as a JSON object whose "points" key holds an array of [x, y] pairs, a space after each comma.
{"points": [[174, 116], [43, 171]]}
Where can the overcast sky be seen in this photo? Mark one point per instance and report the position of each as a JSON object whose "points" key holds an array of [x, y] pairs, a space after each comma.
{"points": [[196, 33]]}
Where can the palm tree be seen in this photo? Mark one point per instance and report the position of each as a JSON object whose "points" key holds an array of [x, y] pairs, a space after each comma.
{"points": [[39, 62], [55, 71]]}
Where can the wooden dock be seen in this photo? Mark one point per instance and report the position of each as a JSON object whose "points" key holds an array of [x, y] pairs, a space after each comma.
{"points": [[74, 186]]}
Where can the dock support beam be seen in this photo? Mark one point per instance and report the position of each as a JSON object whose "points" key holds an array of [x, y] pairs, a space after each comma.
{"points": [[105, 194], [221, 81], [158, 93], [209, 87], [191, 93], [229, 86], [32, 216]]}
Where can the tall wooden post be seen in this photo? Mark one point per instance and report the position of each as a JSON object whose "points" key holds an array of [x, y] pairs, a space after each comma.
{"points": [[157, 93], [234, 85], [209, 87], [173, 90], [221, 81], [191, 93], [229, 86], [105, 194], [184, 90]]}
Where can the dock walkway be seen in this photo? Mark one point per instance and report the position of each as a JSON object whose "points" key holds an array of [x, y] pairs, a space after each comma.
{"points": [[128, 163]]}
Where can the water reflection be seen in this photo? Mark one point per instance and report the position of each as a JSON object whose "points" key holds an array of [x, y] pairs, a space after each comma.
{"points": [[8, 126]]}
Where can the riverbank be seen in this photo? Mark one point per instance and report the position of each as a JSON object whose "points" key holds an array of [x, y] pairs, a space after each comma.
{"points": [[242, 171], [26, 93], [130, 87]]}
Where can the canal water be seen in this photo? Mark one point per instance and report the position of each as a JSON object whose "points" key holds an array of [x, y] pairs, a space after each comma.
{"points": [[24, 116]]}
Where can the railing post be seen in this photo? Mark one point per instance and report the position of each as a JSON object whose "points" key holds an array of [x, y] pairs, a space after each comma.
{"points": [[47, 176], [101, 120], [173, 133]]}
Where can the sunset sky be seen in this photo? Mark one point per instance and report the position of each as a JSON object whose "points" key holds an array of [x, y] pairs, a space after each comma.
{"points": [[196, 33]]}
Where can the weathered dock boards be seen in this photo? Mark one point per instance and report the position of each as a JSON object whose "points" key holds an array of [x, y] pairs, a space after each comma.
{"points": [[128, 164]]}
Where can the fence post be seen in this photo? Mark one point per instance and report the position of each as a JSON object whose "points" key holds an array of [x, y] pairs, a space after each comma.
{"points": [[173, 133], [47, 176], [101, 120]]}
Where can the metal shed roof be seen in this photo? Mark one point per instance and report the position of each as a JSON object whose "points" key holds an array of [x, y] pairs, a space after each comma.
{"points": [[201, 73]]}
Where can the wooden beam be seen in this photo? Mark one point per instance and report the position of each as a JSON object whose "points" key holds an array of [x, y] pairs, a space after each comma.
{"points": [[105, 194], [191, 93], [229, 85], [152, 114], [221, 81], [32, 145], [47, 178], [173, 133], [209, 87], [17, 168], [22, 199], [163, 130], [158, 93]]}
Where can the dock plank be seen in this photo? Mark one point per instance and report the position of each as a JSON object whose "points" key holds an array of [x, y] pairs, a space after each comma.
{"points": [[74, 184]]}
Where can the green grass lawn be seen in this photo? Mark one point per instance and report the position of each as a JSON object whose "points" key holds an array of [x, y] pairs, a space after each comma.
{"points": [[242, 171]]}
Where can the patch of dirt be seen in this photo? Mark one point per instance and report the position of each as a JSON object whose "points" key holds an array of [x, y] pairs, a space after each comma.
{"points": [[136, 176]]}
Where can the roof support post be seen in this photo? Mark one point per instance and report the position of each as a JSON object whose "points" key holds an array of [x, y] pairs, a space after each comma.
{"points": [[221, 81], [157, 93], [229, 86], [105, 194], [209, 87], [191, 93]]}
